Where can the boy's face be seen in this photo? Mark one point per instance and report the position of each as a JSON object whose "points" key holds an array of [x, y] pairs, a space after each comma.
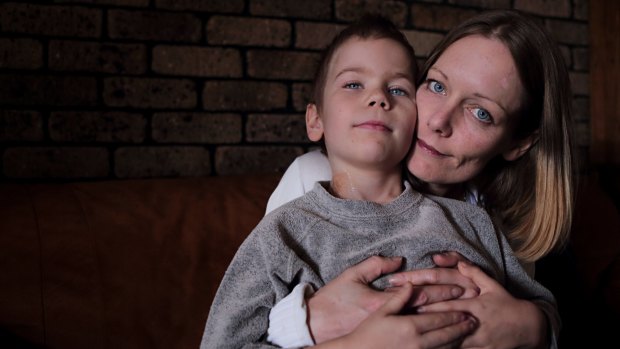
{"points": [[369, 112]]}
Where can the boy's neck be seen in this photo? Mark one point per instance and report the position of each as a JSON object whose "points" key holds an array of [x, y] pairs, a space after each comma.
{"points": [[376, 186]]}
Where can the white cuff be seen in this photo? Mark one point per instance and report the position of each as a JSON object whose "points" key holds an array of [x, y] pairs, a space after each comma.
{"points": [[288, 325]]}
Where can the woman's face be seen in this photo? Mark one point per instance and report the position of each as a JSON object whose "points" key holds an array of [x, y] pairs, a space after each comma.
{"points": [[466, 113]]}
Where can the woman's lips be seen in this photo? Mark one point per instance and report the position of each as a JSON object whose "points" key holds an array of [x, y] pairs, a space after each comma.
{"points": [[429, 149]]}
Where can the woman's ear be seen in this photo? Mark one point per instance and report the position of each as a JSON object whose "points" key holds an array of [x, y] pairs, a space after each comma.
{"points": [[314, 124], [520, 147]]}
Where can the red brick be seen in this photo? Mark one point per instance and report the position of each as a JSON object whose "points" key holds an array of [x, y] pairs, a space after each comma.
{"points": [[140, 162], [248, 31], [581, 58], [289, 128], [196, 128], [47, 90], [312, 35], [580, 9], [230, 6], [350, 10], [20, 54], [256, 159], [95, 57], [317, 9], [244, 95], [134, 3], [278, 64], [197, 61], [581, 108], [56, 162], [484, 4], [50, 20], [302, 95], [149, 93], [159, 26], [438, 17], [86, 126], [580, 83], [568, 32], [550, 8], [21, 126], [423, 42]]}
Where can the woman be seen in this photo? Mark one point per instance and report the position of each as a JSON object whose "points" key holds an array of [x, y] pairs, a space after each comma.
{"points": [[494, 129]]}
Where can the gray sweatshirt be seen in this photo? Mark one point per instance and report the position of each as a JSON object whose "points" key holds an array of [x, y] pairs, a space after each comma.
{"points": [[314, 238]]}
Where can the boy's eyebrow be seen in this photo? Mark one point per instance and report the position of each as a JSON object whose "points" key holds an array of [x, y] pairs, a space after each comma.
{"points": [[362, 69], [477, 94]]}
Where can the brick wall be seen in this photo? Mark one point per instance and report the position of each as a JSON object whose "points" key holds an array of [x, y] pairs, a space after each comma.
{"points": [[93, 89]]}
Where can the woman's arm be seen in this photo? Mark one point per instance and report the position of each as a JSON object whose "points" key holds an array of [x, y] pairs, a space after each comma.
{"points": [[299, 178]]}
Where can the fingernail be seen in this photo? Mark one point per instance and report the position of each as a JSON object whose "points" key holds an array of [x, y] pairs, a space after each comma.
{"points": [[394, 281], [456, 292], [422, 299], [421, 309]]}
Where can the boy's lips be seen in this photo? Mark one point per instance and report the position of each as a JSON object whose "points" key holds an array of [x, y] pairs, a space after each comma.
{"points": [[374, 125], [429, 149]]}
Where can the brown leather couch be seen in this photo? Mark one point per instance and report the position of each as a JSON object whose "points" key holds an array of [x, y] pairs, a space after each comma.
{"points": [[135, 263]]}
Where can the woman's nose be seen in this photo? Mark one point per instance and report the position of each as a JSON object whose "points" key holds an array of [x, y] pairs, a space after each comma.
{"points": [[441, 121]]}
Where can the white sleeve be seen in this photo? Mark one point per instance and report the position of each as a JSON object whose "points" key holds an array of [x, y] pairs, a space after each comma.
{"points": [[288, 325], [299, 178]]}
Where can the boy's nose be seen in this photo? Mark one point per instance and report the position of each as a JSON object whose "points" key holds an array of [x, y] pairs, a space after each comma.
{"points": [[383, 104]]}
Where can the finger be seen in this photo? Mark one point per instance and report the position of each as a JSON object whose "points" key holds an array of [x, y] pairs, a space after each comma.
{"points": [[451, 335], [479, 277], [434, 321], [435, 293], [463, 305], [398, 301], [436, 276], [373, 267], [448, 259]]}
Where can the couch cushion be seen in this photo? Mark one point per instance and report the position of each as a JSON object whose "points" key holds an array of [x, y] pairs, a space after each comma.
{"points": [[122, 264]]}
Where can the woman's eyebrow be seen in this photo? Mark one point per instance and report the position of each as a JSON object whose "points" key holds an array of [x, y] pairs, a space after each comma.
{"points": [[477, 94]]}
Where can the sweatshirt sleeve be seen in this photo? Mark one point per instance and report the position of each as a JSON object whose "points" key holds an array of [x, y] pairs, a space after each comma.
{"points": [[288, 320], [521, 285], [239, 314]]}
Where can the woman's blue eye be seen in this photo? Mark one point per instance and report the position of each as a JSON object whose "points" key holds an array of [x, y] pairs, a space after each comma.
{"points": [[436, 86], [353, 85], [397, 91], [481, 114]]}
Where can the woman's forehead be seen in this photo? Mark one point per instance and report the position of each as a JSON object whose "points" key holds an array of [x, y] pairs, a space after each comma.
{"points": [[480, 66]]}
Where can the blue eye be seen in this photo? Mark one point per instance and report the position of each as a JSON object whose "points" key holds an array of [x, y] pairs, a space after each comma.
{"points": [[482, 114], [353, 85], [436, 86], [398, 91]]}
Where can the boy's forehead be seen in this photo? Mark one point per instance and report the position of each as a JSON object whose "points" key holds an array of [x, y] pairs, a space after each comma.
{"points": [[349, 55]]}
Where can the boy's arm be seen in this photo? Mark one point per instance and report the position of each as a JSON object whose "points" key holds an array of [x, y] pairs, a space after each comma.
{"points": [[239, 313]]}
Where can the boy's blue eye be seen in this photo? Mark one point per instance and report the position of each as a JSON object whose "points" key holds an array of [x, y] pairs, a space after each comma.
{"points": [[397, 91], [436, 86], [353, 85], [482, 114]]}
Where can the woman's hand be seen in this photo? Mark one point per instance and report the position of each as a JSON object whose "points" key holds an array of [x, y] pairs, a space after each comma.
{"points": [[385, 328], [337, 308], [504, 321]]}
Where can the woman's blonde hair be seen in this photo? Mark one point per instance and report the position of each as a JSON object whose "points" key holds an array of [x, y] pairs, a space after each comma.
{"points": [[532, 197]]}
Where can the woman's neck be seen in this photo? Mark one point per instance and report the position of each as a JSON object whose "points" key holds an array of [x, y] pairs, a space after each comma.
{"points": [[452, 191]]}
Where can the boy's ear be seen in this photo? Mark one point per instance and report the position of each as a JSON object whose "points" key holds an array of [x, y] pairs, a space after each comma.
{"points": [[314, 124], [520, 147]]}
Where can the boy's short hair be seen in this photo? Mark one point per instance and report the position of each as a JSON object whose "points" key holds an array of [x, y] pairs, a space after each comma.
{"points": [[369, 26]]}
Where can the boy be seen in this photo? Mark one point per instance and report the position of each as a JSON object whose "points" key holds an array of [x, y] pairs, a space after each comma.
{"points": [[364, 111]]}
